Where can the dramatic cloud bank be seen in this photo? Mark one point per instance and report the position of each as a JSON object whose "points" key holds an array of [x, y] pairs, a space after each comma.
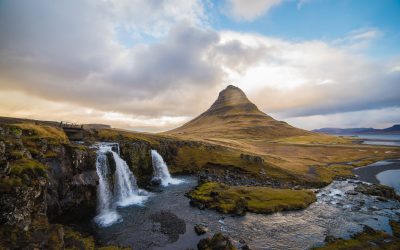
{"points": [[152, 65]]}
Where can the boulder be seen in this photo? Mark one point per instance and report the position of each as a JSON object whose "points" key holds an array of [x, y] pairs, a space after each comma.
{"points": [[200, 229], [217, 242]]}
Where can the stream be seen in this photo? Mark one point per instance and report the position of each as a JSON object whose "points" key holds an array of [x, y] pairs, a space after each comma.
{"points": [[166, 220]]}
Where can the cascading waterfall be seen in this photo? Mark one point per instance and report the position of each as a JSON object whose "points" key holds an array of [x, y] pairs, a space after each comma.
{"points": [[127, 191], [123, 192], [161, 170]]}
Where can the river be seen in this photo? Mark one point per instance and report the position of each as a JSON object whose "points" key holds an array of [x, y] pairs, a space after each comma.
{"points": [[166, 221]]}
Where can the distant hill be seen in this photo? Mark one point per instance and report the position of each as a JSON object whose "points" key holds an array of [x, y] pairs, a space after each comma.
{"points": [[395, 129], [232, 115]]}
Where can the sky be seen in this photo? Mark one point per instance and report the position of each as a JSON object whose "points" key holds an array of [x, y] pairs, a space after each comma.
{"points": [[152, 65]]}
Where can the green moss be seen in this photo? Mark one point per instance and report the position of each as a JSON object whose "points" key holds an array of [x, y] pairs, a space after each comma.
{"points": [[327, 174], [395, 228], [16, 131], [9, 183], [218, 241], [237, 199], [378, 190], [190, 159], [40, 235], [50, 154], [115, 135], [28, 167], [74, 240], [42, 131], [369, 239], [16, 154]]}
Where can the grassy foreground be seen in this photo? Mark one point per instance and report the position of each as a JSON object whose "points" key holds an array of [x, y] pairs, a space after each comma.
{"points": [[369, 239], [239, 199]]}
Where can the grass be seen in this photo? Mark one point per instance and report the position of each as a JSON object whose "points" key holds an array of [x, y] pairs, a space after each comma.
{"points": [[42, 131], [314, 139], [74, 240], [29, 167], [369, 239], [8, 183], [230, 199], [117, 134]]}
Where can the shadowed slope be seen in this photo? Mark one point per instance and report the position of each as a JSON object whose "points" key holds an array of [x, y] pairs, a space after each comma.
{"points": [[232, 115]]}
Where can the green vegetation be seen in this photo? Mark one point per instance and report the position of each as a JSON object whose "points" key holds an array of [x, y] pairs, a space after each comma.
{"points": [[7, 184], [378, 190], [74, 240], [27, 167], [395, 228], [40, 235], [42, 131], [217, 242], [116, 134], [369, 239], [239, 199], [314, 139]]}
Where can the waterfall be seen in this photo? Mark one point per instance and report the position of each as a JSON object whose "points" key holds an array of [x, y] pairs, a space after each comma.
{"points": [[127, 191], [161, 172], [122, 191]]}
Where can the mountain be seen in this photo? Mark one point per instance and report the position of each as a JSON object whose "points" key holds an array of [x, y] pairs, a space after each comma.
{"points": [[395, 129], [232, 115]]}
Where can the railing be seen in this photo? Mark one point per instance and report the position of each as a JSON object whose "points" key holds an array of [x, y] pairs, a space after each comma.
{"points": [[70, 125]]}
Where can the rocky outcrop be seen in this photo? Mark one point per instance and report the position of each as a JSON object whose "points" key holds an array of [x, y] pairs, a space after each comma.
{"points": [[217, 242], [42, 174], [252, 158], [71, 192], [383, 192], [137, 155], [200, 229], [21, 204]]}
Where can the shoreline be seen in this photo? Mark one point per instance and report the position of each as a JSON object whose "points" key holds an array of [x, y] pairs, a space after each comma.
{"points": [[368, 173]]}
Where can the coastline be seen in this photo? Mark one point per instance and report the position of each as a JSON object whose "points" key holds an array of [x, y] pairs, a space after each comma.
{"points": [[368, 173]]}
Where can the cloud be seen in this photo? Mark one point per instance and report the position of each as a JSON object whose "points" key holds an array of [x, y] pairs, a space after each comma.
{"points": [[66, 60], [78, 60], [359, 38], [71, 53], [377, 118], [315, 78], [248, 10]]}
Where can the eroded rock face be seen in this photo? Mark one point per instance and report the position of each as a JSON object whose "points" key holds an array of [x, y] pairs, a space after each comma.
{"points": [[22, 204], [71, 193], [381, 191], [137, 156], [252, 158], [43, 175]]}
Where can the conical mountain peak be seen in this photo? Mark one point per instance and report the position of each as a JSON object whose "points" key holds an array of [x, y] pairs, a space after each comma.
{"points": [[232, 115], [232, 98]]}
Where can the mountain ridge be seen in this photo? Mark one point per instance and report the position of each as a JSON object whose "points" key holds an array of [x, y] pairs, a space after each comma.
{"points": [[393, 129], [234, 115]]}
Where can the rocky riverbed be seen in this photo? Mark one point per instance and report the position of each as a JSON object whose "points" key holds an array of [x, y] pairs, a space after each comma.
{"points": [[166, 221]]}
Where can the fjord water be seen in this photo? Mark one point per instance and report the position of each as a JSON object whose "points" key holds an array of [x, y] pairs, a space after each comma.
{"points": [[161, 171], [380, 139], [123, 191], [390, 178], [385, 172]]}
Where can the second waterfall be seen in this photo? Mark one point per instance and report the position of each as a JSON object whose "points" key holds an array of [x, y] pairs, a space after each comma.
{"points": [[161, 172], [117, 186]]}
